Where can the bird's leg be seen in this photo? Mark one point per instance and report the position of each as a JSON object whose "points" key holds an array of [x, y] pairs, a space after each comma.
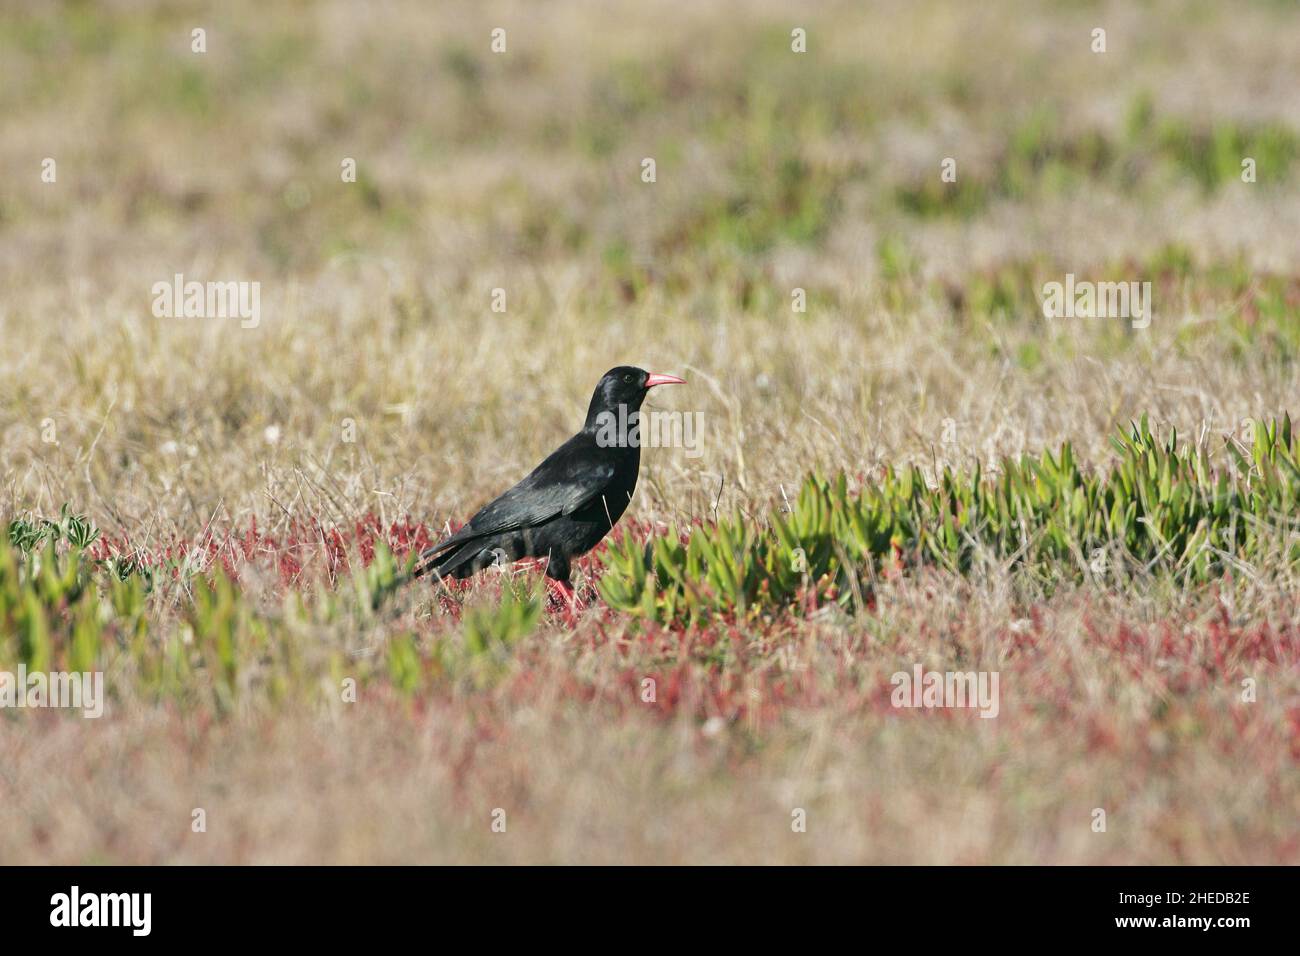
{"points": [[558, 571], [568, 595]]}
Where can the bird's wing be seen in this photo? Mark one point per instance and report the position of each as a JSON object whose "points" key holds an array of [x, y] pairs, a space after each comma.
{"points": [[565, 482]]}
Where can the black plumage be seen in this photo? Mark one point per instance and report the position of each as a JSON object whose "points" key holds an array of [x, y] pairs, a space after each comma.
{"points": [[569, 502]]}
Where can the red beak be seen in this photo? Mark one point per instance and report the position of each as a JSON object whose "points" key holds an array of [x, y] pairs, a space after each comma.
{"points": [[655, 378]]}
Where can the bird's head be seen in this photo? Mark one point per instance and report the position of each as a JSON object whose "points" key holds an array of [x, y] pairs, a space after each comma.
{"points": [[626, 385]]}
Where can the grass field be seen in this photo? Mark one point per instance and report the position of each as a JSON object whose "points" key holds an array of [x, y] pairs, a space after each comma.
{"points": [[902, 462]]}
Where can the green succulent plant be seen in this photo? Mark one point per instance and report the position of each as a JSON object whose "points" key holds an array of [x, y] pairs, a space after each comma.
{"points": [[1159, 507]]}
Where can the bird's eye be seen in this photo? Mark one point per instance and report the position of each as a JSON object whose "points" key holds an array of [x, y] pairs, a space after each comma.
{"points": [[627, 379]]}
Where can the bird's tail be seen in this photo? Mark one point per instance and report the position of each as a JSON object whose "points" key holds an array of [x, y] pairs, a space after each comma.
{"points": [[444, 559], [424, 564]]}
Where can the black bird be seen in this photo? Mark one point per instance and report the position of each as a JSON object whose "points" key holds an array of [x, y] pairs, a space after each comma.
{"points": [[568, 502]]}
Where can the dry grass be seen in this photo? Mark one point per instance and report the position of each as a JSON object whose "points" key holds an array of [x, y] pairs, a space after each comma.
{"points": [[1141, 720]]}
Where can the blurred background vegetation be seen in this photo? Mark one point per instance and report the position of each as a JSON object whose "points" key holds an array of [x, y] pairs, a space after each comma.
{"points": [[521, 170]]}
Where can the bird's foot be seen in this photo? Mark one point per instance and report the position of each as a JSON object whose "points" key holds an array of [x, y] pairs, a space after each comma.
{"points": [[569, 598]]}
